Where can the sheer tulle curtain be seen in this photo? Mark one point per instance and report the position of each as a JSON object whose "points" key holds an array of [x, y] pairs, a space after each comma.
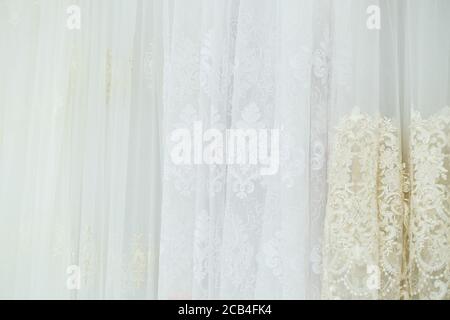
{"points": [[86, 180], [363, 240], [79, 152], [427, 92], [227, 231], [387, 221], [88, 185]]}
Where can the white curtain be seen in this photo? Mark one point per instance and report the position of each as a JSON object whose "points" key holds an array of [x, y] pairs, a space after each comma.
{"points": [[80, 152], [227, 231], [387, 224], [357, 209]]}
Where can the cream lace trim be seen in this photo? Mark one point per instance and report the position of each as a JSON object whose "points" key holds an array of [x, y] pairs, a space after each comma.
{"points": [[381, 240], [429, 262]]}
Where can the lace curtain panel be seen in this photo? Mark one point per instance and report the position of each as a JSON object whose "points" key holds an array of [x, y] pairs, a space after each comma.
{"points": [[94, 93]]}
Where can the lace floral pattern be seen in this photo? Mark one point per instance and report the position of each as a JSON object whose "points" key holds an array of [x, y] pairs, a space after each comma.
{"points": [[364, 223], [429, 268], [387, 232]]}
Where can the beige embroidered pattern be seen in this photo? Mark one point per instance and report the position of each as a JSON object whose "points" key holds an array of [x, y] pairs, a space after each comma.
{"points": [[363, 227], [429, 268], [387, 232]]}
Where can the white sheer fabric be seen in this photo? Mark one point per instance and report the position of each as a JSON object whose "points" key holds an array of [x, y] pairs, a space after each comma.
{"points": [[86, 177], [387, 221], [227, 231], [80, 152], [428, 93]]}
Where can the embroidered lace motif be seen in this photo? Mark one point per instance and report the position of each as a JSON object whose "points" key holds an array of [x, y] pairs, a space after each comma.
{"points": [[363, 227], [429, 263], [387, 235]]}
